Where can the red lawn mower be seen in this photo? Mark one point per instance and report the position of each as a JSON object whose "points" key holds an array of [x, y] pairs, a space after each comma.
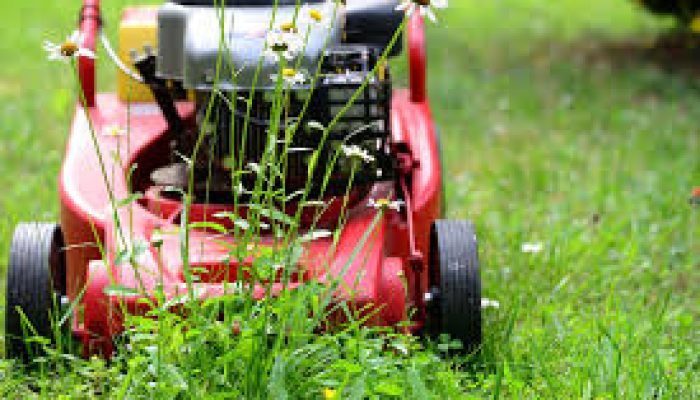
{"points": [[414, 261]]}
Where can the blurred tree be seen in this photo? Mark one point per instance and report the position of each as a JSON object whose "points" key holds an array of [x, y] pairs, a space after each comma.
{"points": [[685, 10]]}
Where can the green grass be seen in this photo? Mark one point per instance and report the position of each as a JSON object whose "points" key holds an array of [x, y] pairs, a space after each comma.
{"points": [[557, 130]]}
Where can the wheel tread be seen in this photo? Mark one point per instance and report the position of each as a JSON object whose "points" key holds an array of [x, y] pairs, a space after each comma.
{"points": [[459, 281], [29, 285]]}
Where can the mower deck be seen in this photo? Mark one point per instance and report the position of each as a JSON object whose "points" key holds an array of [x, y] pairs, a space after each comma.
{"points": [[374, 273]]}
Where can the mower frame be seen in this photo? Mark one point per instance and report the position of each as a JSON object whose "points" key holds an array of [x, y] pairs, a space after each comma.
{"points": [[390, 273]]}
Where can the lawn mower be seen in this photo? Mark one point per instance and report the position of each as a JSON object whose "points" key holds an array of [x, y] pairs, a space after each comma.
{"points": [[417, 267]]}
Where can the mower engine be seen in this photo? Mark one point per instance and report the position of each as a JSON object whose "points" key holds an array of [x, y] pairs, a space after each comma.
{"points": [[223, 59]]}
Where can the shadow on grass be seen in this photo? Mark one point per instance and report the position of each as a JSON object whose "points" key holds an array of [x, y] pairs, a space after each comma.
{"points": [[676, 52]]}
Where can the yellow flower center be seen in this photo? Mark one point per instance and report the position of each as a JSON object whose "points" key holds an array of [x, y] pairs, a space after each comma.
{"points": [[289, 73], [68, 49], [316, 15], [329, 394], [383, 203], [288, 27]]}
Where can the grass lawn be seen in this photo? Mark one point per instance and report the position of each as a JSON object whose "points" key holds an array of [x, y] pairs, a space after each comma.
{"points": [[560, 128]]}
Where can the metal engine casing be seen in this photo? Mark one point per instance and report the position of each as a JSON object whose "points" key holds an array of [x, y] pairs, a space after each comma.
{"points": [[190, 42]]}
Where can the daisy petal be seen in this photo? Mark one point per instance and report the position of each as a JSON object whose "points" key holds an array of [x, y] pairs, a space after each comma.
{"points": [[439, 3], [86, 53], [411, 9], [431, 15]]}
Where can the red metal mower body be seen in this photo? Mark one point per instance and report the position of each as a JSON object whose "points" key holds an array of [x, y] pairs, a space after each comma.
{"points": [[397, 247]]}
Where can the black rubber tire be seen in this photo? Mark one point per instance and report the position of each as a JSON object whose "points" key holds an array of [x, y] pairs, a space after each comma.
{"points": [[454, 267], [35, 274]]}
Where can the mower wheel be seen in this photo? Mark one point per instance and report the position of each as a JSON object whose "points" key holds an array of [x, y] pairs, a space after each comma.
{"points": [[455, 308], [36, 279]]}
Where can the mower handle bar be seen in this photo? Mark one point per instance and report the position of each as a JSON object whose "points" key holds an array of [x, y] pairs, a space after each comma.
{"points": [[91, 22], [417, 60]]}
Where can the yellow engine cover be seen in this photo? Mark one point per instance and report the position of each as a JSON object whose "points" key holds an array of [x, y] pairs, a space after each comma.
{"points": [[138, 28]]}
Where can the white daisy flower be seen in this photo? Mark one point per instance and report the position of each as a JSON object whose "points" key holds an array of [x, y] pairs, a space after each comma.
{"points": [[315, 235], [315, 126], [71, 48], [157, 239], [290, 76], [239, 189], [356, 152], [254, 167], [292, 150], [489, 303], [284, 43], [532, 248], [425, 7], [314, 203], [313, 17], [114, 131], [384, 204]]}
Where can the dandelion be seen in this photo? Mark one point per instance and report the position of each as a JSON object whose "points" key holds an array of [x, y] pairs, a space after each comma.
{"points": [[356, 152], [330, 394], [532, 248], [284, 43], [425, 7], [290, 76], [70, 49], [384, 204]]}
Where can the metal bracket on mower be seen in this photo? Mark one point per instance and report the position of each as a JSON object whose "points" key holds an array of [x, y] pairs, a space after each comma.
{"points": [[416, 259], [146, 65]]}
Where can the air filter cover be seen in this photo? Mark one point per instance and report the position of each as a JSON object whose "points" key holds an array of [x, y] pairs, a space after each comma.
{"points": [[191, 39]]}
